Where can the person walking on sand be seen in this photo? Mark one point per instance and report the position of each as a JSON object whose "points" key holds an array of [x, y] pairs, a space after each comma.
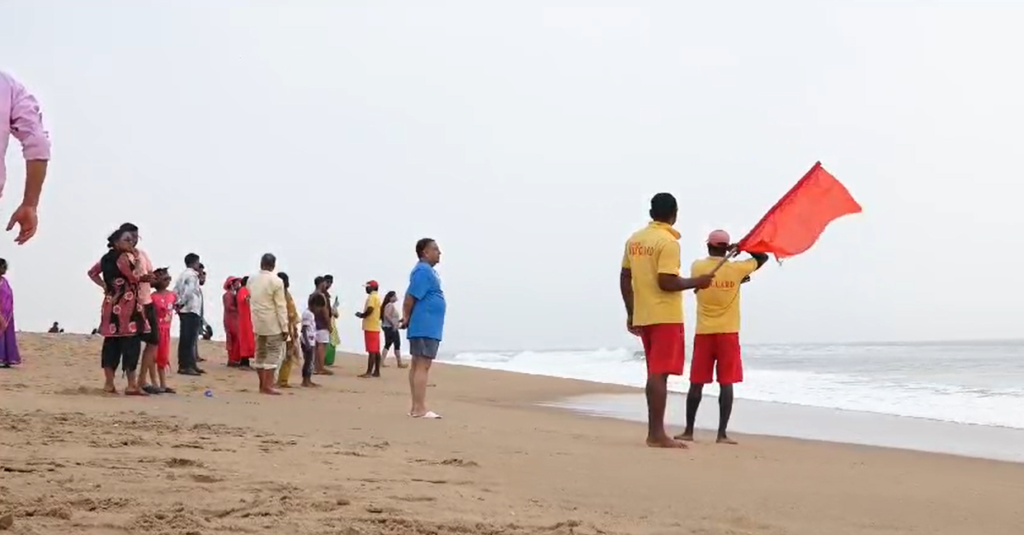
{"points": [[122, 316], [188, 302], [652, 293], [716, 345], [20, 117], [291, 352], [371, 315], [9, 354], [423, 311], [270, 321], [230, 305], [390, 322], [246, 334]]}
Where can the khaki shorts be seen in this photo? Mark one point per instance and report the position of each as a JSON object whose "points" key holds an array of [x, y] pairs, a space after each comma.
{"points": [[269, 350]]}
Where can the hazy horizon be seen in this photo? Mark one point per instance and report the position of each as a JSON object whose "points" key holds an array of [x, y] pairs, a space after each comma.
{"points": [[528, 138]]}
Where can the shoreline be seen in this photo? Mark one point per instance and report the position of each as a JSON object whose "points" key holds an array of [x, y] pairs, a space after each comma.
{"points": [[803, 422], [345, 458]]}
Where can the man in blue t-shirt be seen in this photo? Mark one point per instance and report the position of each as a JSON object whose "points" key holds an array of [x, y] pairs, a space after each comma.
{"points": [[423, 313]]}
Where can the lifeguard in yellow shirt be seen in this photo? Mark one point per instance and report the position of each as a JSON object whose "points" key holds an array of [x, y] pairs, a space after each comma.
{"points": [[652, 292], [716, 346]]}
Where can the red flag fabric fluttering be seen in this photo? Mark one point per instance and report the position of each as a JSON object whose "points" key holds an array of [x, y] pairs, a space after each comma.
{"points": [[794, 224]]}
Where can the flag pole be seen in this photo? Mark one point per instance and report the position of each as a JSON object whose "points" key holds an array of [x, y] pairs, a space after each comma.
{"points": [[726, 258]]}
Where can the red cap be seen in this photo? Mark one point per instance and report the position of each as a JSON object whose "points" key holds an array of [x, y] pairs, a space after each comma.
{"points": [[372, 284], [719, 237]]}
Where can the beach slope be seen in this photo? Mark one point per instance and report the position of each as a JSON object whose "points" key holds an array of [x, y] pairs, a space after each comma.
{"points": [[345, 458]]}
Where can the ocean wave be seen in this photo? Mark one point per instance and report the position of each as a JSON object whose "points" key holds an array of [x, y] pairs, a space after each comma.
{"points": [[899, 394]]}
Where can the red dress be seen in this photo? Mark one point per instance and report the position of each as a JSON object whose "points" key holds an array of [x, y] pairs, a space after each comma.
{"points": [[163, 303], [246, 334], [232, 342]]}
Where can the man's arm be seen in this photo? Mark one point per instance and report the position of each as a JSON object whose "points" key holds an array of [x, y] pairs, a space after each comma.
{"points": [[407, 307], [761, 259], [626, 289], [281, 306], [94, 275], [27, 127], [184, 288], [668, 271]]}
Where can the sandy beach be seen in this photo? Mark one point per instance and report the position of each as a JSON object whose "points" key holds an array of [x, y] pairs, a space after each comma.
{"points": [[346, 459]]}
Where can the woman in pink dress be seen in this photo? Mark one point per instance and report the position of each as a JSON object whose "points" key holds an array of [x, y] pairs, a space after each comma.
{"points": [[163, 306]]}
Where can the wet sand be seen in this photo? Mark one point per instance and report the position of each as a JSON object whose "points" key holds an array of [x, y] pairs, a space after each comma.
{"points": [[346, 459], [818, 423]]}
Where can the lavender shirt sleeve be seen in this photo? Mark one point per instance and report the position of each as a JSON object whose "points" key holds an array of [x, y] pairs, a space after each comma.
{"points": [[27, 123]]}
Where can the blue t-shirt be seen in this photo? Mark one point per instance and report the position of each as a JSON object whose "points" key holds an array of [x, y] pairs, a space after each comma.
{"points": [[427, 319]]}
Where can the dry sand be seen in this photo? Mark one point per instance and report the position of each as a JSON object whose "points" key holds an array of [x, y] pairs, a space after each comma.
{"points": [[346, 459]]}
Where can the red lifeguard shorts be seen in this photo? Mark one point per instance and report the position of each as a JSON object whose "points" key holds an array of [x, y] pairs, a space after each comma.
{"points": [[664, 347], [716, 355], [372, 340]]}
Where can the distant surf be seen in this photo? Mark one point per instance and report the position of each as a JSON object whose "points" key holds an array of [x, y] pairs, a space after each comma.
{"points": [[965, 382]]}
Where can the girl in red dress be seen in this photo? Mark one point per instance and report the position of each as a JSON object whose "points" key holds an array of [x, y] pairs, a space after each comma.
{"points": [[246, 334], [230, 302], [163, 304], [122, 319]]}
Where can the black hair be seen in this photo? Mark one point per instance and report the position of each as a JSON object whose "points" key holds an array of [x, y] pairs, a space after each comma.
{"points": [[422, 245], [317, 281], [268, 260], [245, 280], [190, 259], [116, 235], [663, 207], [284, 278], [161, 271], [387, 298], [130, 227], [329, 278]]}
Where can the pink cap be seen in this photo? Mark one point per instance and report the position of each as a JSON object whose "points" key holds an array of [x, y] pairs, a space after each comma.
{"points": [[719, 237]]}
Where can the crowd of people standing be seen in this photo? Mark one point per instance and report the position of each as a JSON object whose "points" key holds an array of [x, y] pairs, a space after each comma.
{"points": [[264, 330]]}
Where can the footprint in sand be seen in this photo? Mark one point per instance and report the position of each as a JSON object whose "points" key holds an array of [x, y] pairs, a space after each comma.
{"points": [[177, 462], [206, 478], [456, 462]]}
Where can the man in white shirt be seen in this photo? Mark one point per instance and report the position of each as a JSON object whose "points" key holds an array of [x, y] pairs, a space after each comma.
{"points": [[189, 304], [269, 310]]}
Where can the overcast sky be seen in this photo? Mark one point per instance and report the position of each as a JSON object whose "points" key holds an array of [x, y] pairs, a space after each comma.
{"points": [[527, 137]]}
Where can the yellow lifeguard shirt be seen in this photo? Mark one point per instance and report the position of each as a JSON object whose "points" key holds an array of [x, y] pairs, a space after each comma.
{"points": [[718, 306], [372, 322], [650, 251]]}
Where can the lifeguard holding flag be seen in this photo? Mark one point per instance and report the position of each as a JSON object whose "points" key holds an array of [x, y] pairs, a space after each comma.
{"points": [[794, 224]]}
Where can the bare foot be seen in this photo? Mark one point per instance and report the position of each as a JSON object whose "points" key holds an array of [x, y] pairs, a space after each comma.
{"points": [[403, 365], [270, 392], [110, 390], [365, 376], [726, 440], [309, 384], [665, 442], [281, 385], [685, 437]]}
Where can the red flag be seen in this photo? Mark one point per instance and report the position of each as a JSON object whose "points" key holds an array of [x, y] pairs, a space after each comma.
{"points": [[794, 224]]}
